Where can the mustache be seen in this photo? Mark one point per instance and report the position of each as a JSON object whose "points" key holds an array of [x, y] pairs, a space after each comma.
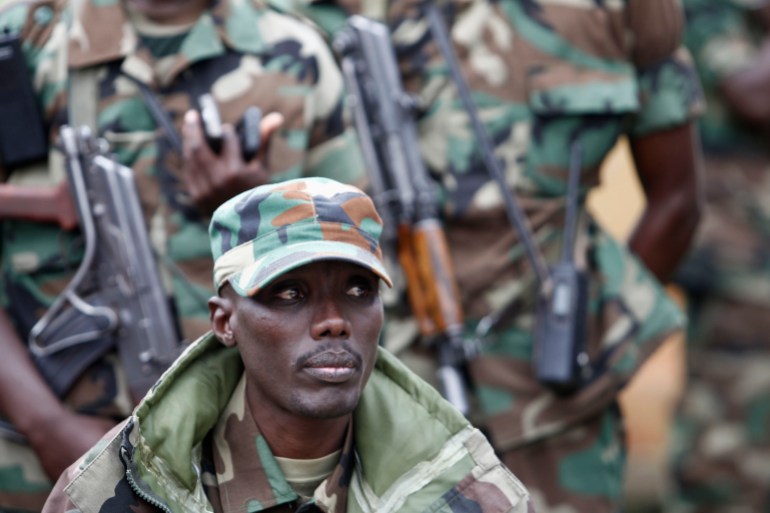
{"points": [[331, 355]]}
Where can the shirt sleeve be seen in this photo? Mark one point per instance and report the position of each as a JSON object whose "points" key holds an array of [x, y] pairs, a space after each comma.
{"points": [[670, 95]]}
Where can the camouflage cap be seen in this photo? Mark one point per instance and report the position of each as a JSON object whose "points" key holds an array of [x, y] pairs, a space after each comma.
{"points": [[269, 230]]}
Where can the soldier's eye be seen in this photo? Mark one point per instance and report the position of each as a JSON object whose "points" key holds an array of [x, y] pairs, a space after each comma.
{"points": [[285, 291], [362, 286], [290, 293]]}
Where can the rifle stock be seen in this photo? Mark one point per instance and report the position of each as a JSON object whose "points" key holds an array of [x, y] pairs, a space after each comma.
{"points": [[410, 265], [39, 204], [437, 275], [444, 306]]}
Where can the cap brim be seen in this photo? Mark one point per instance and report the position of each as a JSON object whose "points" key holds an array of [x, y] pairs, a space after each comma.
{"points": [[252, 278]]}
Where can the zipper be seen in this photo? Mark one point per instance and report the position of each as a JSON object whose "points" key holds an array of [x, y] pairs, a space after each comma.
{"points": [[133, 482]]}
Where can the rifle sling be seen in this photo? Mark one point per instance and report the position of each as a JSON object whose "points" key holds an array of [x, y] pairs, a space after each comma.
{"points": [[160, 115]]}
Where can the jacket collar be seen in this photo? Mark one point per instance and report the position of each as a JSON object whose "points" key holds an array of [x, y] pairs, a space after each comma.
{"points": [[101, 32]]}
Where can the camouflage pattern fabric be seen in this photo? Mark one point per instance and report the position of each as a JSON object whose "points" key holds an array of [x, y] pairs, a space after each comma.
{"points": [[270, 230], [543, 74], [721, 447], [244, 53], [407, 450]]}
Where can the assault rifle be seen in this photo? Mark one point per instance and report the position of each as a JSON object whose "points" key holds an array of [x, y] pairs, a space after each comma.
{"points": [[405, 195], [116, 295]]}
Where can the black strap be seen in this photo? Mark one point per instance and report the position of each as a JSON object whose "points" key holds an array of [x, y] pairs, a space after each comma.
{"points": [[571, 215], [160, 115]]}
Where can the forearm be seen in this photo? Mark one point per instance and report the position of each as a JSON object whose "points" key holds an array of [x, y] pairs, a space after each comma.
{"points": [[668, 164], [25, 398], [663, 235]]}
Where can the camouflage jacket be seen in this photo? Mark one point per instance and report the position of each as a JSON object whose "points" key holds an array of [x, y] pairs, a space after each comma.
{"points": [[407, 450], [543, 74]]}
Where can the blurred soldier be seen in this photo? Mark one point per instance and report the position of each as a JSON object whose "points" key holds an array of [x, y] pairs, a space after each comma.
{"points": [[722, 442], [544, 75], [124, 58], [289, 404]]}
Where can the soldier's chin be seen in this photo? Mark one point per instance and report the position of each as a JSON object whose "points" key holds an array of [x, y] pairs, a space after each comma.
{"points": [[326, 410]]}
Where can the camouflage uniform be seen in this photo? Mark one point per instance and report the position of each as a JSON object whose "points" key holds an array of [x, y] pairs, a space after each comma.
{"points": [[405, 450], [722, 438], [543, 73], [244, 53]]}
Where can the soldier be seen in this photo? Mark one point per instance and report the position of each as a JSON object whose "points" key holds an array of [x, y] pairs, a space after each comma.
{"points": [[721, 447], [289, 404], [544, 75], [243, 53]]}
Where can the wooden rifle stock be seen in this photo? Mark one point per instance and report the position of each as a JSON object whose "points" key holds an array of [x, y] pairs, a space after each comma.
{"points": [[437, 283], [407, 257], [436, 275], [40, 204]]}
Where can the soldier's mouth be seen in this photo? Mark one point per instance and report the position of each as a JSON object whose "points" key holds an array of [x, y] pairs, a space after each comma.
{"points": [[332, 367]]}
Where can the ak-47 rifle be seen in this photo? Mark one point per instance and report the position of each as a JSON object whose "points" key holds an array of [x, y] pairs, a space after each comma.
{"points": [[405, 195], [116, 295]]}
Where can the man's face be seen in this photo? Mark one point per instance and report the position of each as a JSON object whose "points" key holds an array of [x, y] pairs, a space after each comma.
{"points": [[308, 340]]}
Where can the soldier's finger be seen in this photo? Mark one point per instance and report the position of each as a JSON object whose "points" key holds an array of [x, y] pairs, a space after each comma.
{"points": [[231, 148], [269, 125], [192, 134], [194, 149]]}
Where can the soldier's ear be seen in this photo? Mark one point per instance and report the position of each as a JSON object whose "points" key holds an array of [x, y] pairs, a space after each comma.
{"points": [[220, 311]]}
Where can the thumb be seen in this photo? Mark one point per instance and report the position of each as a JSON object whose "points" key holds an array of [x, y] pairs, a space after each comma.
{"points": [[270, 124]]}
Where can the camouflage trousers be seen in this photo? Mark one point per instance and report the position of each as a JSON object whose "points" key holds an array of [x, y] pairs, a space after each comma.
{"points": [[24, 486]]}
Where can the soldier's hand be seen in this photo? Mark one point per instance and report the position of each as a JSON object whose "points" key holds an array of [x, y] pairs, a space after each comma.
{"points": [[213, 178], [61, 442]]}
